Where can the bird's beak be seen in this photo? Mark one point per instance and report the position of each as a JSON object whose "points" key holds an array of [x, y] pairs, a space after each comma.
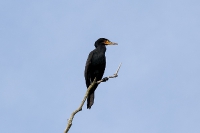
{"points": [[113, 43], [110, 43]]}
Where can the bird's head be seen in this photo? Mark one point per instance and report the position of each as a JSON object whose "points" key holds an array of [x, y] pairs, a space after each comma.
{"points": [[104, 41]]}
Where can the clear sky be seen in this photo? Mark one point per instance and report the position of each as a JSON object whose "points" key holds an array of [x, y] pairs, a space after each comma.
{"points": [[44, 46]]}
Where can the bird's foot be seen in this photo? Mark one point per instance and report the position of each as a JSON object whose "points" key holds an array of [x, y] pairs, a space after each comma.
{"points": [[105, 79]]}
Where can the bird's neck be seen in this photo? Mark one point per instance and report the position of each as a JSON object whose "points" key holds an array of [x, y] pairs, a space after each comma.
{"points": [[101, 48]]}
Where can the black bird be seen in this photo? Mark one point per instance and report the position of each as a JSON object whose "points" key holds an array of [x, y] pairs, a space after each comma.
{"points": [[95, 66]]}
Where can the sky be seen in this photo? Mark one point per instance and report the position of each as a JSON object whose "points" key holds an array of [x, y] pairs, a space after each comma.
{"points": [[43, 50]]}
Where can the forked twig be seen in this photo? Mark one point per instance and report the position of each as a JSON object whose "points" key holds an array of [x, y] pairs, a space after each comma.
{"points": [[114, 75]]}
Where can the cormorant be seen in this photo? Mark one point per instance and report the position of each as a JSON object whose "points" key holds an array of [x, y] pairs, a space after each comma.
{"points": [[95, 66]]}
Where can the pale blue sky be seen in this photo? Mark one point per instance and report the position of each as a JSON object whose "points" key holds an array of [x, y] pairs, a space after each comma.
{"points": [[44, 46]]}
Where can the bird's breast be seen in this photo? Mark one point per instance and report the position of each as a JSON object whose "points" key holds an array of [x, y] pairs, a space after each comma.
{"points": [[98, 59]]}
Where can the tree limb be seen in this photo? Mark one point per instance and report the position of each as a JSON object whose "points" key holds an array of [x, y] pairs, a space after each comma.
{"points": [[80, 107], [85, 97]]}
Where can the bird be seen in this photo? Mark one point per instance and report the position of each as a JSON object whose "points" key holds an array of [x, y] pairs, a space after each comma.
{"points": [[95, 67]]}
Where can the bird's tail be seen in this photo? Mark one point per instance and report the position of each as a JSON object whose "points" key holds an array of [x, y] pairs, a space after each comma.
{"points": [[90, 99]]}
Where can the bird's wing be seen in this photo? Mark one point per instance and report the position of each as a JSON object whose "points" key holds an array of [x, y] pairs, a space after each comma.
{"points": [[88, 69]]}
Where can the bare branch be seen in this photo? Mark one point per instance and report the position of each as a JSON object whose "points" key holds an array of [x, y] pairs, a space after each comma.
{"points": [[84, 99], [80, 107]]}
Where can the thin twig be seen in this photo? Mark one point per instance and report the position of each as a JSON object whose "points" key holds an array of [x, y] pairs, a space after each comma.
{"points": [[85, 97], [114, 75]]}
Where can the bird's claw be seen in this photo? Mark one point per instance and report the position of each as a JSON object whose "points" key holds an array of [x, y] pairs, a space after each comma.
{"points": [[105, 79]]}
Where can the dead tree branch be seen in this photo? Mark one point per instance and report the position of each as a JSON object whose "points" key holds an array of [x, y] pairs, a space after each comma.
{"points": [[85, 97]]}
